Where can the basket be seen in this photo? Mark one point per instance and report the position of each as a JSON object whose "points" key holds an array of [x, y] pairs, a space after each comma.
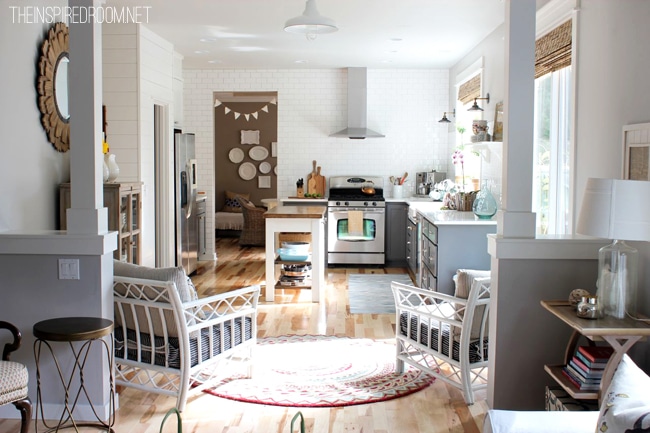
{"points": [[464, 201]]}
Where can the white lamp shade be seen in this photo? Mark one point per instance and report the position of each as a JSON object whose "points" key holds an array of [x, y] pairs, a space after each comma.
{"points": [[616, 209], [310, 21]]}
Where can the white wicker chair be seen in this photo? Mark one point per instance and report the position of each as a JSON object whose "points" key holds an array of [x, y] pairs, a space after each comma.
{"points": [[458, 354], [189, 339]]}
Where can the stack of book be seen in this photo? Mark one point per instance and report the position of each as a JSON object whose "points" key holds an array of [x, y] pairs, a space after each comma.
{"points": [[586, 368]]}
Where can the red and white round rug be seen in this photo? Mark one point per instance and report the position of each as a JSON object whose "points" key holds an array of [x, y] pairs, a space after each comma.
{"points": [[322, 371]]}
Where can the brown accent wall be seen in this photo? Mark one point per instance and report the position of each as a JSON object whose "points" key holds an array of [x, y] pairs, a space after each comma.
{"points": [[228, 135]]}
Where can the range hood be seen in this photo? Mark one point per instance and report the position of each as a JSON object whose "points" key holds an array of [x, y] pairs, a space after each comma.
{"points": [[357, 107]]}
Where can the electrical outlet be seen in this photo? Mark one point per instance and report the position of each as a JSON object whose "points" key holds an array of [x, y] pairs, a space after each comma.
{"points": [[68, 269]]}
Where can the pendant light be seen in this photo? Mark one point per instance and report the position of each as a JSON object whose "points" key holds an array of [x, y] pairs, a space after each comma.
{"points": [[310, 23]]}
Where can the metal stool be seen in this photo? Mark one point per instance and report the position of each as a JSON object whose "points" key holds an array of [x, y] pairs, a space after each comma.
{"points": [[70, 330]]}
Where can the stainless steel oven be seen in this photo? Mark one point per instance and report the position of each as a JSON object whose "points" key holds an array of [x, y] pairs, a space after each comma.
{"points": [[350, 247], [356, 221]]}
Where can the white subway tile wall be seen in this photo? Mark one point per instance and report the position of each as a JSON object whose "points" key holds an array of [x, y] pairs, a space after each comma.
{"points": [[404, 105]]}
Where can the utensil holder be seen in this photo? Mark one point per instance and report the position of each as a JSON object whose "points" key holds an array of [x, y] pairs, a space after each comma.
{"points": [[398, 191]]}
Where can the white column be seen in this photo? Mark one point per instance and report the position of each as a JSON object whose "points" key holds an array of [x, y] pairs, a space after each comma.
{"points": [[516, 219], [87, 214]]}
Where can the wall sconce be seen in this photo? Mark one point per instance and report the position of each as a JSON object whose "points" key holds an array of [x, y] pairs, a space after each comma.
{"points": [[444, 116], [475, 107]]}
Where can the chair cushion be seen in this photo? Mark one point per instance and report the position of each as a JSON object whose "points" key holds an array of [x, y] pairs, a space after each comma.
{"points": [[177, 275], [429, 338], [625, 406], [232, 205], [169, 355], [463, 281], [13, 381], [229, 220]]}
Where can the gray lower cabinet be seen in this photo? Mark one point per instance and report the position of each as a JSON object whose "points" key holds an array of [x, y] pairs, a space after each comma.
{"points": [[412, 249], [444, 248], [396, 218]]}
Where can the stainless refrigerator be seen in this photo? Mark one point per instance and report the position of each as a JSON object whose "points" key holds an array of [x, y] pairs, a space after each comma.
{"points": [[185, 184]]}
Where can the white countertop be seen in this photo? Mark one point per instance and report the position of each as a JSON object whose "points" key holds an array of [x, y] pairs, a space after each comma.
{"points": [[454, 217], [407, 200], [306, 200]]}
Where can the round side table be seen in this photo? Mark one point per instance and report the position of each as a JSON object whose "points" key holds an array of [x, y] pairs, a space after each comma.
{"points": [[86, 332]]}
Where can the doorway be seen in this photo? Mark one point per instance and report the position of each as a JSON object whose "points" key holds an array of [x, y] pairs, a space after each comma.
{"points": [[245, 146]]}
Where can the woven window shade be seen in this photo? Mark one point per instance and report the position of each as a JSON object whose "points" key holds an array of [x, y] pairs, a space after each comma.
{"points": [[470, 89], [553, 50]]}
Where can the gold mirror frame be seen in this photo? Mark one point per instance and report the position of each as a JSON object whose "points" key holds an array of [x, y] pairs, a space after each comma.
{"points": [[54, 48]]}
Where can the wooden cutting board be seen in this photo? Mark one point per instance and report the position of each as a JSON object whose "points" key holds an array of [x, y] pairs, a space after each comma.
{"points": [[311, 180], [320, 183]]}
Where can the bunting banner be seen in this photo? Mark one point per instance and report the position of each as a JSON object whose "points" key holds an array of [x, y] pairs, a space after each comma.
{"points": [[247, 116]]}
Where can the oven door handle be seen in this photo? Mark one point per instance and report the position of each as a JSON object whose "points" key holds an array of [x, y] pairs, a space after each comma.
{"points": [[365, 210]]}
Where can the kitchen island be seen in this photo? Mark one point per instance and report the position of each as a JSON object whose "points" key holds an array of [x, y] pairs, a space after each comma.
{"points": [[452, 240], [298, 219]]}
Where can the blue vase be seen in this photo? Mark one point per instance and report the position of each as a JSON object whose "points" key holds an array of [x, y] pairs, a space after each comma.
{"points": [[485, 205]]}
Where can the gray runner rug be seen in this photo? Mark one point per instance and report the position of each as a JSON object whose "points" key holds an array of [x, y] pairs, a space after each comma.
{"points": [[371, 293]]}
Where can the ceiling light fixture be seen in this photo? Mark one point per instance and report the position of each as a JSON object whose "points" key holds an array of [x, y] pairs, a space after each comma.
{"points": [[475, 107], [444, 116], [310, 23]]}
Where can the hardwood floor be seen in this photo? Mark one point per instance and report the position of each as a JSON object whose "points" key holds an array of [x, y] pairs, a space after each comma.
{"points": [[437, 408]]}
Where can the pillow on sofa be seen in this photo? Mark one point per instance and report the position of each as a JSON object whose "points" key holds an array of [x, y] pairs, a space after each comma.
{"points": [[184, 285], [626, 404], [463, 281], [232, 205]]}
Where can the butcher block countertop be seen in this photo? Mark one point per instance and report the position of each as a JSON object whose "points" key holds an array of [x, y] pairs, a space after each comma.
{"points": [[316, 212]]}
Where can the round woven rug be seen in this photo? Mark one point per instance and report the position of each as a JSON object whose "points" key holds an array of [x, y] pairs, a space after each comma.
{"points": [[322, 371]]}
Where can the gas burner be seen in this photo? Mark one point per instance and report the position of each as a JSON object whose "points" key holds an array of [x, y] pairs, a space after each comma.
{"points": [[345, 191]]}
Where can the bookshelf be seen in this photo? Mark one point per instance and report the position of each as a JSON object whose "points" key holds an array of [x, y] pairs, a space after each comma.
{"points": [[620, 334]]}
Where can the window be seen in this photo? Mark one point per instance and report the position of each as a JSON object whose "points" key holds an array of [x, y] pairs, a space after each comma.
{"points": [[467, 171], [552, 152], [552, 132]]}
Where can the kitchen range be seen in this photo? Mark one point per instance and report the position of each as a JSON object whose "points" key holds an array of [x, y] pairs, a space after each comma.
{"points": [[356, 218]]}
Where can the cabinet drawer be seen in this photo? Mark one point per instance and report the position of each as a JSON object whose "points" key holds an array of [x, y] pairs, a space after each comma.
{"points": [[428, 281], [433, 259], [429, 256], [424, 252], [430, 231]]}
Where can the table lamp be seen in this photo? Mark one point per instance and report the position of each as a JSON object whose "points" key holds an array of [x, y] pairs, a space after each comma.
{"points": [[619, 210]]}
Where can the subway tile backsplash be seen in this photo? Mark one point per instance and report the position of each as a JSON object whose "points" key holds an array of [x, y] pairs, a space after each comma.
{"points": [[404, 105]]}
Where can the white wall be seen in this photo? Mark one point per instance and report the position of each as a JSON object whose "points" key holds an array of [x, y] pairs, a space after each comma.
{"points": [[613, 89], [137, 75], [491, 51], [30, 167], [405, 105]]}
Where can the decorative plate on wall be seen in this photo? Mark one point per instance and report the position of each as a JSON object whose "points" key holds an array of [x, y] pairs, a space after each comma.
{"points": [[247, 171], [264, 182], [265, 167], [258, 153], [250, 137], [236, 155]]}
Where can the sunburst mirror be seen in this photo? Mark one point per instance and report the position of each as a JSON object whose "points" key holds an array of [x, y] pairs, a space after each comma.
{"points": [[53, 87]]}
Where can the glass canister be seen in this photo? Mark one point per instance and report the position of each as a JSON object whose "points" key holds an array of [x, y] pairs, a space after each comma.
{"points": [[588, 307]]}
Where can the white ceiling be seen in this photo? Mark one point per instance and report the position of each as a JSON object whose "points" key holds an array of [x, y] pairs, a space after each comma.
{"points": [[248, 34]]}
